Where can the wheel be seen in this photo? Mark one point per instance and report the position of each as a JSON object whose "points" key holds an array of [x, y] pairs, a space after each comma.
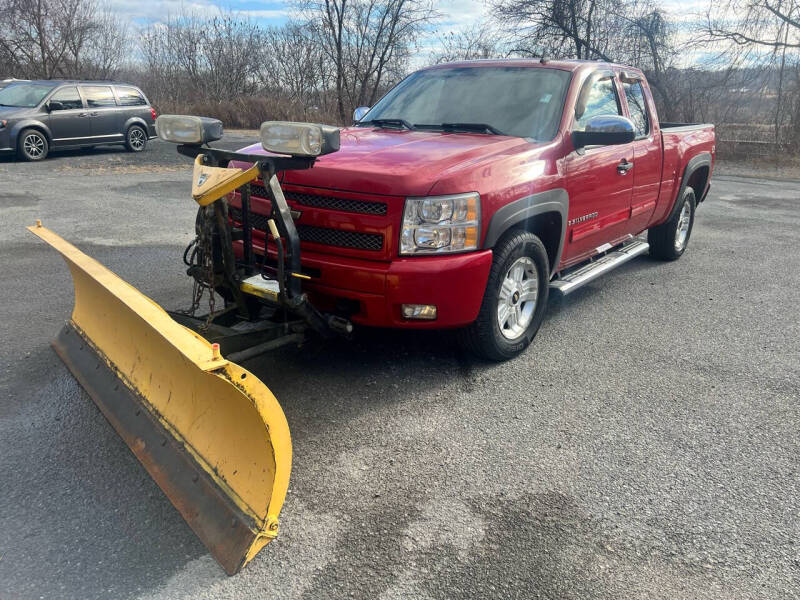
{"points": [[32, 145], [668, 241], [514, 301], [135, 139]]}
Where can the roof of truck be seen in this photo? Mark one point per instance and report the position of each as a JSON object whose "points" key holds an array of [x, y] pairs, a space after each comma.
{"points": [[563, 64]]}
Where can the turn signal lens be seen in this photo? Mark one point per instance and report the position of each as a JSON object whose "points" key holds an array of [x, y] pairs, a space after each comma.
{"points": [[441, 224]]}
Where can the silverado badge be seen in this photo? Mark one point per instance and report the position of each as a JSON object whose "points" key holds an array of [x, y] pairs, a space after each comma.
{"points": [[577, 220]]}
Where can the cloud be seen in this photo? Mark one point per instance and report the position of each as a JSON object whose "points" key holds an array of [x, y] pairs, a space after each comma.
{"points": [[153, 11]]}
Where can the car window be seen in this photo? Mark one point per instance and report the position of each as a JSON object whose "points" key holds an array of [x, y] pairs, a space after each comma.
{"points": [[69, 97], [518, 101], [637, 107], [602, 100], [129, 96], [98, 95], [25, 94]]}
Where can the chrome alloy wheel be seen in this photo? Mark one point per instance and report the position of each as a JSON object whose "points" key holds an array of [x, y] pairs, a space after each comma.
{"points": [[136, 138], [33, 145], [682, 230], [517, 301]]}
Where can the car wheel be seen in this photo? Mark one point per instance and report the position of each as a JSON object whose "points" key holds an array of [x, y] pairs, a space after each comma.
{"points": [[668, 241], [514, 301], [135, 139], [32, 145]]}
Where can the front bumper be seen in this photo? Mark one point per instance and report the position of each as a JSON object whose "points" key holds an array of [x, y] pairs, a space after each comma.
{"points": [[374, 291], [6, 143]]}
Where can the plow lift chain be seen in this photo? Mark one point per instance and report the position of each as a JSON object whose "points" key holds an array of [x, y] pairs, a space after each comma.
{"points": [[250, 324]]}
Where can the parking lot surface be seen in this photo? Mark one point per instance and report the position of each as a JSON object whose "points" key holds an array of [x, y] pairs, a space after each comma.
{"points": [[645, 446]]}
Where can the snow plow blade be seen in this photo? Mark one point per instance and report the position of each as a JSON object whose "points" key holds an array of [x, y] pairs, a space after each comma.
{"points": [[209, 432]]}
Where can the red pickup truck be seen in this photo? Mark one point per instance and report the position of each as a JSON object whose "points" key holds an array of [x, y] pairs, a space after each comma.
{"points": [[472, 189]]}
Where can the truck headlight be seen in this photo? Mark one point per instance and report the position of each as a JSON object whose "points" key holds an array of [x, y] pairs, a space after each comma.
{"points": [[299, 139], [188, 129], [441, 224]]}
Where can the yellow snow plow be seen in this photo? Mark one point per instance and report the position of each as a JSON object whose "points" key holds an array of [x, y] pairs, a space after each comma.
{"points": [[208, 431]]}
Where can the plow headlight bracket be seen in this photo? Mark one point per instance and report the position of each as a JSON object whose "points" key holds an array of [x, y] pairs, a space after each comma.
{"points": [[188, 129], [441, 224], [299, 139]]}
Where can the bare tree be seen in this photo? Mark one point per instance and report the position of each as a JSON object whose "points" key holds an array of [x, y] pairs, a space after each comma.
{"points": [[476, 42], [59, 38], [368, 42]]}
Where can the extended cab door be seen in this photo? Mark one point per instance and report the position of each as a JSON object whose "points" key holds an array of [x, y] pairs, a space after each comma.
{"points": [[647, 150], [103, 113], [598, 180], [68, 120]]}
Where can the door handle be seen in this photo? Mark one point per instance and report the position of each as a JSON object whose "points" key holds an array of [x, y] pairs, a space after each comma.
{"points": [[624, 166], [94, 114], [83, 114]]}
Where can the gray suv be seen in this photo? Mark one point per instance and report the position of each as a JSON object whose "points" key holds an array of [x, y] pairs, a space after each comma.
{"points": [[39, 116]]}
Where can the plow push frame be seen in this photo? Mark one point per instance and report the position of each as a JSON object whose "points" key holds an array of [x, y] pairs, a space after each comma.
{"points": [[208, 431]]}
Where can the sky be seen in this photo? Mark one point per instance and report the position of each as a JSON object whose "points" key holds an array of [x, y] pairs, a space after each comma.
{"points": [[455, 14]]}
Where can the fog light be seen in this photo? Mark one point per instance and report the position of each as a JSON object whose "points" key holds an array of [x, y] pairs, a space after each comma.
{"points": [[425, 312]]}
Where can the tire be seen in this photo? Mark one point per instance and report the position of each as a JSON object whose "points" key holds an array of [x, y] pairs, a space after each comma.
{"points": [[485, 337], [32, 145], [135, 138], [668, 241]]}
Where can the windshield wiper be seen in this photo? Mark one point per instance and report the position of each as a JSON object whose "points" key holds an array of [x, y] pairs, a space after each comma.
{"points": [[468, 127], [401, 123]]}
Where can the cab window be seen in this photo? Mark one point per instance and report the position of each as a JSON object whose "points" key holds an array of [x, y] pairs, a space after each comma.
{"points": [[602, 100], [98, 96], [68, 97], [637, 107], [129, 96]]}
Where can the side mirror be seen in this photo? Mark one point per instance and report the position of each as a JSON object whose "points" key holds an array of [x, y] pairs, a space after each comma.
{"points": [[54, 105], [359, 113], [604, 130]]}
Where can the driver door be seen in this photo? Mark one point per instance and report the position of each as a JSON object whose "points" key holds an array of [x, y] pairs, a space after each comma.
{"points": [[69, 125], [598, 181]]}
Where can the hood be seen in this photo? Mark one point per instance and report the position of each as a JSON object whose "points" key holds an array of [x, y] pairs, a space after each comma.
{"points": [[396, 162], [6, 112]]}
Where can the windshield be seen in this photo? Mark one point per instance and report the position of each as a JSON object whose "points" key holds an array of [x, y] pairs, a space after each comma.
{"points": [[24, 94], [519, 101]]}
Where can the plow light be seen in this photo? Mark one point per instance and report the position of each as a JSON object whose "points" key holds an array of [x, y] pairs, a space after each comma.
{"points": [[299, 139], [188, 129]]}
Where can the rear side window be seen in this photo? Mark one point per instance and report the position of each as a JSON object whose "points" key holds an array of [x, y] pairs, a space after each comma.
{"points": [[98, 95], [69, 98], [602, 101], [129, 96], [637, 107]]}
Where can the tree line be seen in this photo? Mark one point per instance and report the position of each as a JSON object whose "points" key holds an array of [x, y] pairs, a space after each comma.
{"points": [[743, 70]]}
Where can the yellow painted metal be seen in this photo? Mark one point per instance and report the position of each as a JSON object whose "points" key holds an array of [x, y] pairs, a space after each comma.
{"points": [[261, 292], [209, 184], [224, 416]]}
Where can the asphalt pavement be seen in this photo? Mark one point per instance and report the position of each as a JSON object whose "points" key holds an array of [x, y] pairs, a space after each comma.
{"points": [[646, 446]]}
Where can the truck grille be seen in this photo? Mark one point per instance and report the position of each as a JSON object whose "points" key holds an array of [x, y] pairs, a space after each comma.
{"points": [[320, 235], [326, 202], [340, 238]]}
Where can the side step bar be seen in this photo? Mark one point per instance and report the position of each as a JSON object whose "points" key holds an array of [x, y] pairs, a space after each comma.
{"points": [[583, 275]]}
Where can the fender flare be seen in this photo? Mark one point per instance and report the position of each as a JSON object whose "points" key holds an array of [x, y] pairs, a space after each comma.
{"points": [[522, 209], [696, 162], [135, 121], [29, 124]]}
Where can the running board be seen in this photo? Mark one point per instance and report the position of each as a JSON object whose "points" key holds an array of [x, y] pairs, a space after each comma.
{"points": [[580, 277]]}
